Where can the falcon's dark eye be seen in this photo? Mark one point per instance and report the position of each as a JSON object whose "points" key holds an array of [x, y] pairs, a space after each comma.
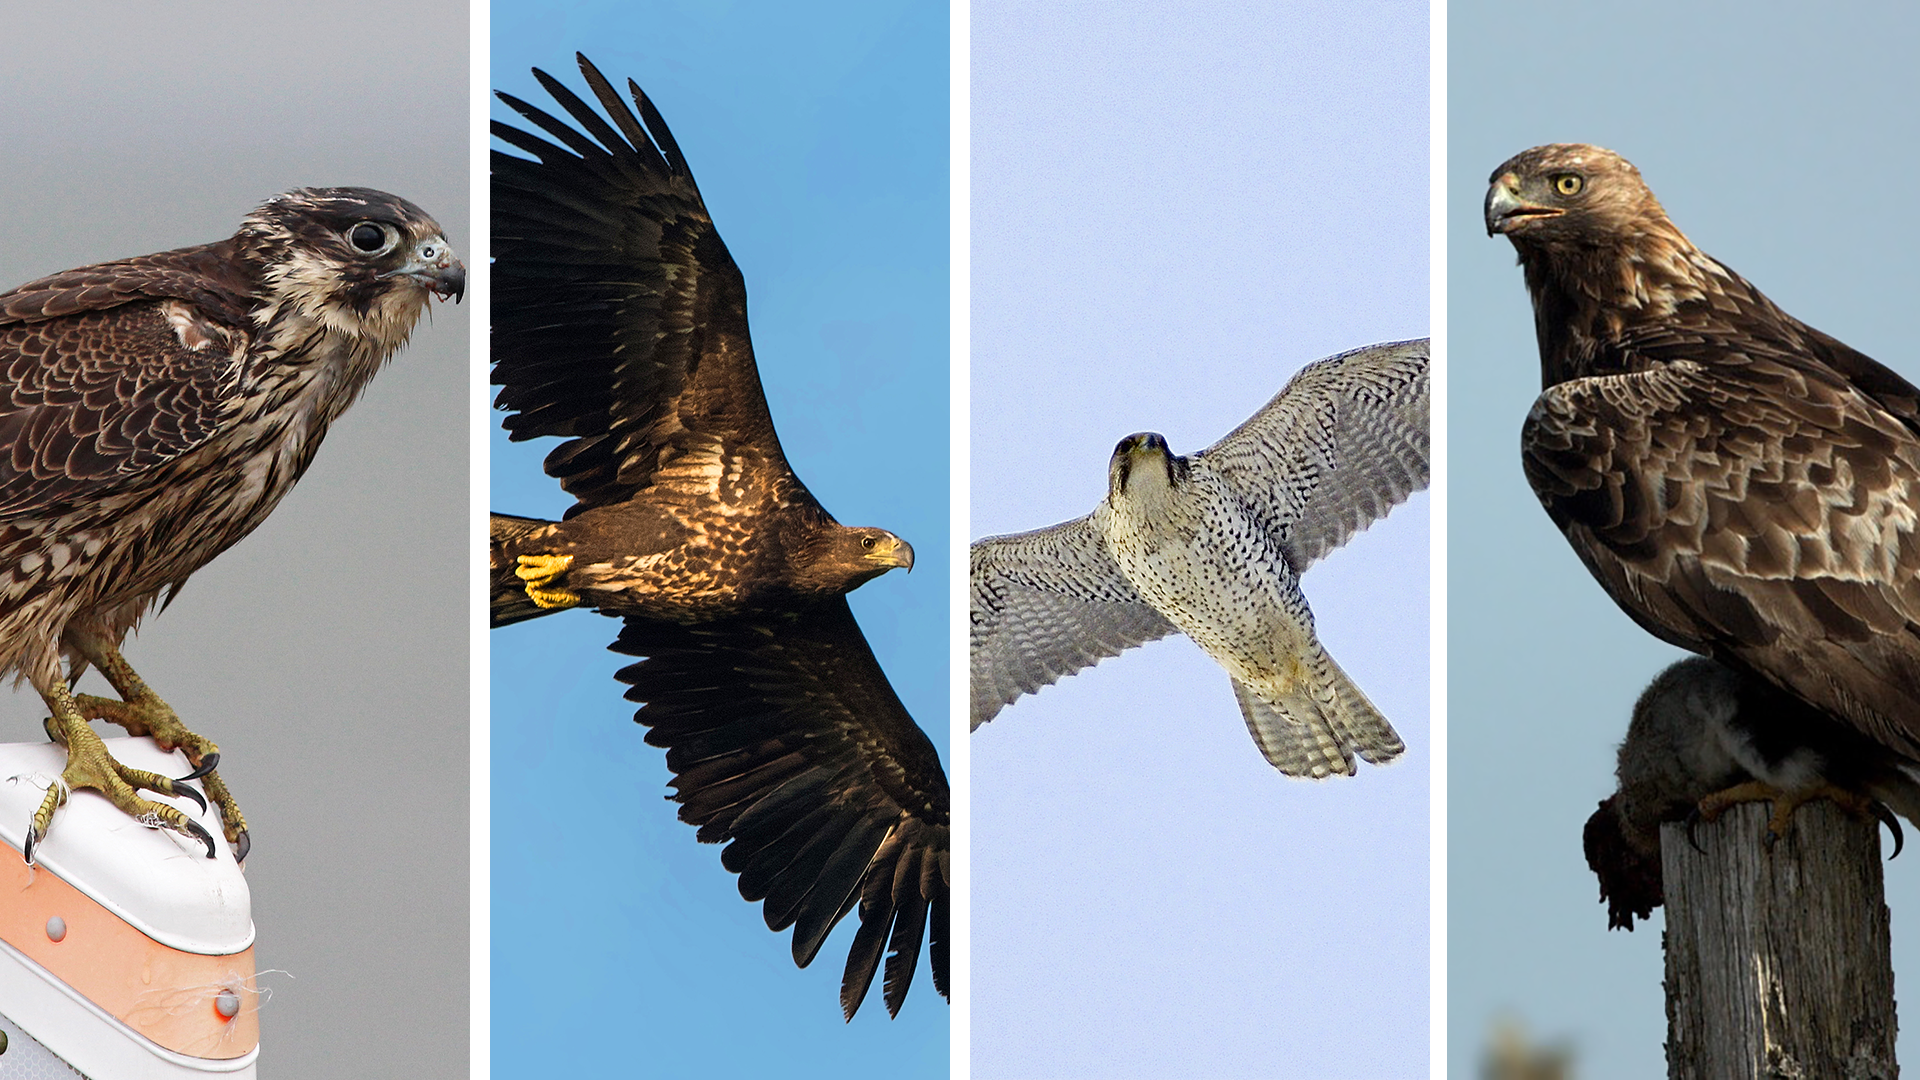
{"points": [[868, 542], [371, 239], [1568, 184]]}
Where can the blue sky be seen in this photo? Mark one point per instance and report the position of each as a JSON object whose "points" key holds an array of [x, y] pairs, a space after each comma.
{"points": [[1173, 208], [1770, 133], [819, 138]]}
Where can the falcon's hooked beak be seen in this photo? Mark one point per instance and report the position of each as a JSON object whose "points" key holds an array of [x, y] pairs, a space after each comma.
{"points": [[889, 551], [1507, 211], [433, 264]]}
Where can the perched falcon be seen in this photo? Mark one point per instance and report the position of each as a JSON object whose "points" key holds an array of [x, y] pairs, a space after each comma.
{"points": [[1742, 485], [1702, 734], [153, 412], [620, 325], [1213, 546]]}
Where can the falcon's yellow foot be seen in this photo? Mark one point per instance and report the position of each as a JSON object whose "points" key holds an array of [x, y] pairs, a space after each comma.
{"points": [[90, 766], [540, 571], [145, 714], [1785, 803]]}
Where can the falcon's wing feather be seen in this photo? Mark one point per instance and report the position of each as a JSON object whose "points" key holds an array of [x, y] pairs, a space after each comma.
{"points": [[91, 397], [619, 317], [1342, 444], [787, 742], [1045, 604], [1759, 510]]}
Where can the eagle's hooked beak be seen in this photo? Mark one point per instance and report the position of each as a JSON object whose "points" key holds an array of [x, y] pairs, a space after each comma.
{"points": [[891, 551], [434, 265], [1506, 210]]}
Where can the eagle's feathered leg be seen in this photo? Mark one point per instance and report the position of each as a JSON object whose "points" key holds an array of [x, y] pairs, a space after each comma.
{"points": [[142, 712], [1786, 802], [90, 766]]}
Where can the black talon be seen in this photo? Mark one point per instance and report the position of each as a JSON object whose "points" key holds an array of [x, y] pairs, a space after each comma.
{"points": [[1693, 822], [201, 835], [1893, 826], [207, 765], [32, 839], [182, 789], [241, 845]]}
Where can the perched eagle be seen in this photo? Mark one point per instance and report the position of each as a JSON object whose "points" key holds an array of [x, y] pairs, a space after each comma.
{"points": [[1742, 485], [153, 411], [620, 325], [1213, 546], [1702, 736]]}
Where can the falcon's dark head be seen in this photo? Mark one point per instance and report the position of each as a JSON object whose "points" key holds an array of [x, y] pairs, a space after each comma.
{"points": [[1146, 450], [1570, 195], [843, 559], [357, 260]]}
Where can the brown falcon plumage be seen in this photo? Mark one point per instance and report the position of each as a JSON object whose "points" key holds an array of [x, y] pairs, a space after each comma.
{"points": [[620, 325], [153, 411], [1743, 485]]}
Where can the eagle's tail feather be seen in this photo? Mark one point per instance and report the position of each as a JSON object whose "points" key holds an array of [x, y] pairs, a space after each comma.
{"points": [[1316, 728], [508, 601]]}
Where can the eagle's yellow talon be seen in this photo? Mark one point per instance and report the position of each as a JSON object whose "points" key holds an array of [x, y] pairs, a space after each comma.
{"points": [[540, 571]]}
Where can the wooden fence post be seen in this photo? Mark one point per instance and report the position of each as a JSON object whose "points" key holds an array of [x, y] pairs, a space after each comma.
{"points": [[1778, 959]]}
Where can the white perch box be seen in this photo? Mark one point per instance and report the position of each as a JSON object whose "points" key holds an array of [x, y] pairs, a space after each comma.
{"points": [[126, 953]]}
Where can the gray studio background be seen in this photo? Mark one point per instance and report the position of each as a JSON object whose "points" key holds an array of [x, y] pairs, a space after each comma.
{"points": [[1779, 140], [326, 653]]}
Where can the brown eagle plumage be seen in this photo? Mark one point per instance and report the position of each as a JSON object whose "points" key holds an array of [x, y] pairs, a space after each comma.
{"points": [[620, 326], [153, 411], [1743, 485]]}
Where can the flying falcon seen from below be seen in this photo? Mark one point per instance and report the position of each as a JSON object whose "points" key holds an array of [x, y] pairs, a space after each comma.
{"points": [[620, 325], [153, 411], [1213, 546], [1742, 485]]}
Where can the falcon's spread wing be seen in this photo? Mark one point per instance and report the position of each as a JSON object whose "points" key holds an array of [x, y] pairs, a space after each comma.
{"points": [[1342, 444], [1743, 485], [788, 743], [619, 318], [620, 325], [1044, 605]]}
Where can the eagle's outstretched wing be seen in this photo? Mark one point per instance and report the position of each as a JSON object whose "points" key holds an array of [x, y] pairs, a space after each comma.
{"points": [[1344, 442], [619, 318], [1044, 605], [788, 744]]}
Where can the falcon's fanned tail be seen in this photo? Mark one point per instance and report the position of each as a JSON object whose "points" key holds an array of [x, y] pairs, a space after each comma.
{"points": [[1314, 728]]}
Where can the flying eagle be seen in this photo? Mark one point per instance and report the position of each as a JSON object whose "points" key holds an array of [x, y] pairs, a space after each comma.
{"points": [[1704, 736], [154, 411], [1213, 545], [620, 325], [1742, 485]]}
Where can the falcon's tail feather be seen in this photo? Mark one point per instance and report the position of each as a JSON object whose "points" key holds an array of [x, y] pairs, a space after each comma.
{"points": [[1317, 728], [507, 597]]}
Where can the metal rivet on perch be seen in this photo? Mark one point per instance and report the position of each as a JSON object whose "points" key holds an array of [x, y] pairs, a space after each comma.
{"points": [[227, 1004], [56, 928]]}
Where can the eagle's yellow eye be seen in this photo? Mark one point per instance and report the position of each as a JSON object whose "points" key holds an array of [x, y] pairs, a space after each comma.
{"points": [[1567, 184]]}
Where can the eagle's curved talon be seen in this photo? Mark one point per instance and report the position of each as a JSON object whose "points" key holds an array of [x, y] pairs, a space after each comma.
{"points": [[1693, 824], [1892, 823], [207, 764], [241, 845]]}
